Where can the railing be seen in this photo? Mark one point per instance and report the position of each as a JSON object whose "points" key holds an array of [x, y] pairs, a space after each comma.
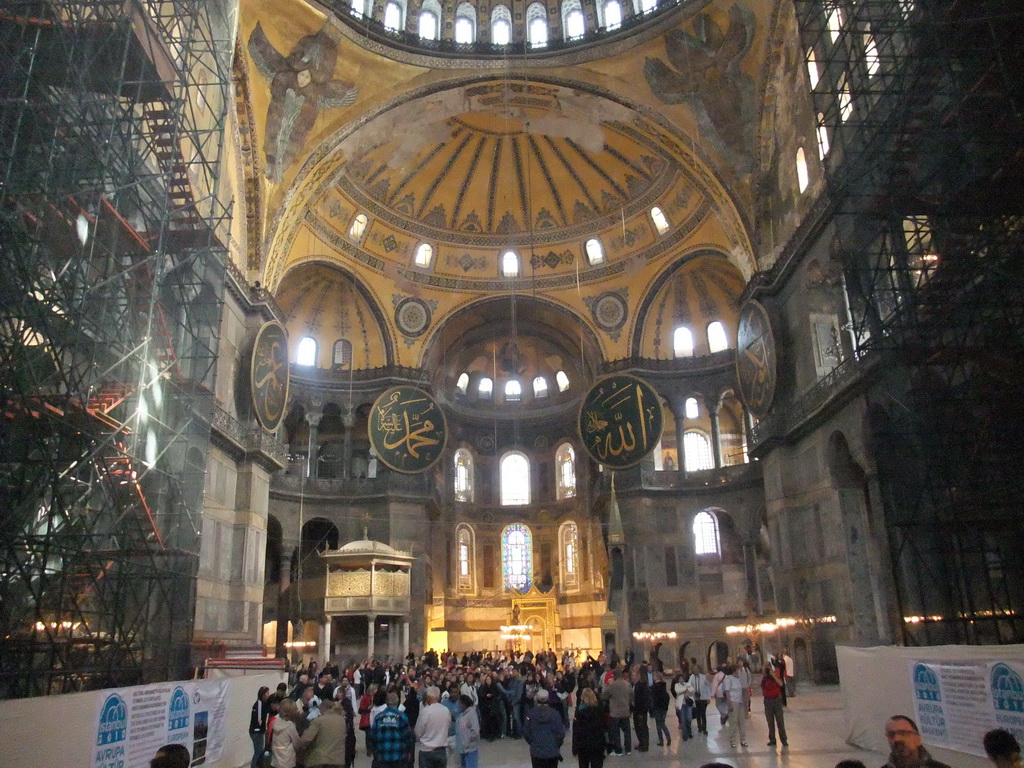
{"points": [[649, 478], [385, 483], [251, 440], [785, 419], [479, 49], [256, 294], [699, 364]]}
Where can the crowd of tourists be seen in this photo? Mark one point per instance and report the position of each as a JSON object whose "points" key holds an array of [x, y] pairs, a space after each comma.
{"points": [[442, 706]]}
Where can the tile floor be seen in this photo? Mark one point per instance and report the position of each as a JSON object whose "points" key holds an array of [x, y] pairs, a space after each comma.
{"points": [[814, 723]]}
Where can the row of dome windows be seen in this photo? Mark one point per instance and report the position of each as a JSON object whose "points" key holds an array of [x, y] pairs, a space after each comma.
{"points": [[466, 23], [511, 263], [513, 388]]}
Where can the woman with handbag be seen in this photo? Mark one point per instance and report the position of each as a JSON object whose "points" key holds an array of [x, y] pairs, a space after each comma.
{"points": [[683, 692]]}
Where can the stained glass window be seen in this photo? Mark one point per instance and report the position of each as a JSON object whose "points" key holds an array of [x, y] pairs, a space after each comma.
{"points": [[705, 534], [517, 557]]}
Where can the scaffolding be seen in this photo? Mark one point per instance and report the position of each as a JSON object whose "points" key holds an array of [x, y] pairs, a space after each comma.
{"points": [[920, 110], [112, 262]]}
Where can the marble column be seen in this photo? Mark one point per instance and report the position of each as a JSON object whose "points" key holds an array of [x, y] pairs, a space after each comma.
{"points": [[327, 640], [405, 638], [370, 634], [347, 421], [716, 437], [748, 426], [284, 581], [313, 420], [680, 415]]}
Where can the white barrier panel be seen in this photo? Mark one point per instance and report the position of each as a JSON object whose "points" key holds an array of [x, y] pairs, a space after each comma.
{"points": [[955, 693], [123, 727]]}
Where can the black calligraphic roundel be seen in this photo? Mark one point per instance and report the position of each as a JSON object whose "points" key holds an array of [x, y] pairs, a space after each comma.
{"points": [[268, 375], [620, 421], [407, 429], [755, 359]]}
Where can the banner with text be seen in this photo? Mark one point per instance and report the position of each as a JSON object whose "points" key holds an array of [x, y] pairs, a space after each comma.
{"points": [[133, 723], [957, 703]]}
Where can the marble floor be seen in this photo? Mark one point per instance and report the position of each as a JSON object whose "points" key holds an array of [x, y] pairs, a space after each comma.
{"points": [[814, 723]]}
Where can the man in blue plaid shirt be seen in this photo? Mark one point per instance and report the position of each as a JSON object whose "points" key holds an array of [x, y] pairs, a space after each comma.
{"points": [[391, 737]]}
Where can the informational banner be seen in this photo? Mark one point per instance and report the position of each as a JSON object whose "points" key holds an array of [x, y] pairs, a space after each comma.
{"points": [[133, 723], [957, 703]]}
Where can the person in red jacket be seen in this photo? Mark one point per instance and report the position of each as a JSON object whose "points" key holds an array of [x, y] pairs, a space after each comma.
{"points": [[771, 689]]}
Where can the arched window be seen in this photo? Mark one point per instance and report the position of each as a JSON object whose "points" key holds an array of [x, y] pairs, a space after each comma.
{"points": [[393, 17], [871, 58], [568, 545], [682, 342], [501, 25], [513, 391], [515, 479], [465, 24], [466, 559], [573, 24], [697, 449], [463, 383], [358, 226], [845, 100], [510, 264], [812, 68], [595, 253], [646, 6], [424, 254], [361, 7], [692, 408], [540, 387], [463, 475], [517, 557], [717, 340], [802, 178], [823, 145], [428, 31], [660, 222], [705, 534], [537, 25], [835, 20], [562, 380], [612, 13], [342, 357], [485, 388], [565, 469], [306, 354]]}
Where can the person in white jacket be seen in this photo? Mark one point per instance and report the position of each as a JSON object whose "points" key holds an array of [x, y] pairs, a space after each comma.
{"points": [[284, 740]]}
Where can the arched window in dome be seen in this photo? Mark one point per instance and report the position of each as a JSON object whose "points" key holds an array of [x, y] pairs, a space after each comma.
{"points": [[428, 31], [573, 24], [812, 68], [660, 222], [463, 475], [342, 353], [565, 466], [394, 16], [515, 479], [517, 557], [692, 408], [697, 449], [611, 14], [501, 25], [568, 545], [362, 7], [705, 534], [513, 391], [485, 388], [646, 6], [562, 380], [682, 342], [358, 226], [540, 387], [424, 253], [872, 60], [823, 145], [717, 340], [463, 383], [306, 354], [465, 24], [537, 25], [510, 264], [466, 557], [802, 177], [595, 253]]}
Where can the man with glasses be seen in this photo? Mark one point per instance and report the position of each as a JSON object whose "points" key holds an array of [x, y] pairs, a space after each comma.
{"points": [[905, 748]]}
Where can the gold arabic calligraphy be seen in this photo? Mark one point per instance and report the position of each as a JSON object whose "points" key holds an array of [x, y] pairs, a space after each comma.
{"points": [[399, 429], [621, 403]]}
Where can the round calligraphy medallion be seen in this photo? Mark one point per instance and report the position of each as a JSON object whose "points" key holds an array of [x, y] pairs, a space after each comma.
{"points": [[412, 316], [620, 420], [755, 359], [609, 311], [407, 429], [268, 375]]}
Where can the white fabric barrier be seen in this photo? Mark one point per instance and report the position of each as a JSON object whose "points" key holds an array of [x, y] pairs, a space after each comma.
{"points": [[952, 691], [118, 727]]}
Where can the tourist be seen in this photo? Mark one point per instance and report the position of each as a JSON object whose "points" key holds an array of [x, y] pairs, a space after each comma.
{"points": [[1002, 748], [467, 733], [544, 732], [659, 709], [431, 730], [774, 713], [392, 738], [588, 731], [619, 695], [905, 747], [258, 726], [733, 687], [171, 756], [323, 742], [284, 739], [682, 691], [642, 709]]}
